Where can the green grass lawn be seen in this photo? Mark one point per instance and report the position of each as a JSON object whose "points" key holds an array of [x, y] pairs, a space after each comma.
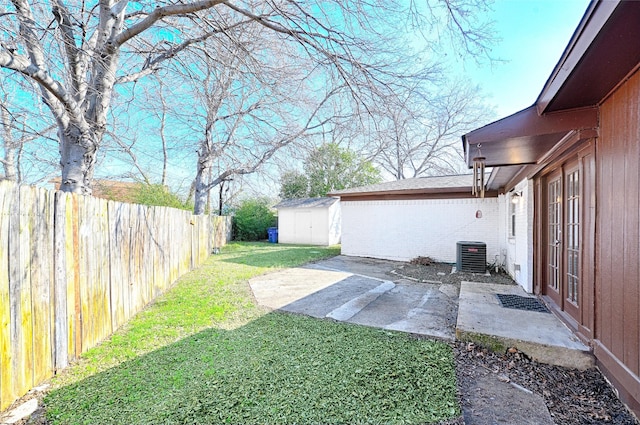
{"points": [[205, 353]]}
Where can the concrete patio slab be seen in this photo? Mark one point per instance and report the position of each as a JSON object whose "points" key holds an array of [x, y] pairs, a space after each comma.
{"points": [[322, 303], [542, 336], [276, 290], [336, 289], [363, 291], [418, 308], [354, 306]]}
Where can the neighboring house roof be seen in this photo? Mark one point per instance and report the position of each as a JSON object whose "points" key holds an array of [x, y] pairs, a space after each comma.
{"points": [[603, 50], [109, 189], [306, 203], [455, 186]]}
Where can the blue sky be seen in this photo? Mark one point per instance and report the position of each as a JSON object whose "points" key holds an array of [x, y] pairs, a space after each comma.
{"points": [[534, 34]]}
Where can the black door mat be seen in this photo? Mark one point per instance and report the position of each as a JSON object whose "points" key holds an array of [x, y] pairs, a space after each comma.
{"points": [[522, 303]]}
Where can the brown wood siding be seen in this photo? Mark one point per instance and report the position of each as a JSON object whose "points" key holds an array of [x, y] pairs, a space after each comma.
{"points": [[618, 233], [631, 303], [588, 241]]}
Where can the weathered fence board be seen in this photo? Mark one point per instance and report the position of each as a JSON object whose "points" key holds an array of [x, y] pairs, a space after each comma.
{"points": [[62, 326], [20, 289], [118, 259], [41, 229], [74, 262], [221, 231], [73, 269], [8, 391]]}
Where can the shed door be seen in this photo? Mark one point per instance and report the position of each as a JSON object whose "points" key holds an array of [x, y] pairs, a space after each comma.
{"points": [[303, 227], [563, 207]]}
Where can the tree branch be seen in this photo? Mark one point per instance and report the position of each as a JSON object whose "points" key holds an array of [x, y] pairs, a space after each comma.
{"points": [[63, 17], [21, 64], [265, 156], [150, 66], [161, 12], [34, 66]]}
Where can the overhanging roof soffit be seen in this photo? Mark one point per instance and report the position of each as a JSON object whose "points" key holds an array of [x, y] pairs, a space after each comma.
{"points": [[595, 18], [527, 123], [604, 49], [525, 136]]}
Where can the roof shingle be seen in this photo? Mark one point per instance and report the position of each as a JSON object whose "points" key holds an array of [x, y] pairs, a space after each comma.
{"points": [[419, 183], [306, 203]]}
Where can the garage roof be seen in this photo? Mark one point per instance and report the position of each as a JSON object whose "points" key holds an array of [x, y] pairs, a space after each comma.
{"points": [[307, 203], [455, 186]]}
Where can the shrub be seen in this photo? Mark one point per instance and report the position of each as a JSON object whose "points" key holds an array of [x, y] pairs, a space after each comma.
{"points": [[251, 220], [159, 195]]}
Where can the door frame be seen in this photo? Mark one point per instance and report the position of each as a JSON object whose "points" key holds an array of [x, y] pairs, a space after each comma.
{"points": [[557, 240], [582, 319], [557, 247]]}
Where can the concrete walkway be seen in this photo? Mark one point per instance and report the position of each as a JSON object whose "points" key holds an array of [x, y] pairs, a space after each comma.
{"points": [[542, 336], [364, 291], [336, 289]]}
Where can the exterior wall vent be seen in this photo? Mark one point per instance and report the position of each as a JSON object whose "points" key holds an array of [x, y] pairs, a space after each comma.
{"points": [[471, 257]]}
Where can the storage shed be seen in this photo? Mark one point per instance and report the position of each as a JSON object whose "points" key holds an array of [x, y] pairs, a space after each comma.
{"points": [[312, 221]]}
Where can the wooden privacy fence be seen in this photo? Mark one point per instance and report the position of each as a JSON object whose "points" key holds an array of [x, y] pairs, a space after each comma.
{"points": [[75, 268]]}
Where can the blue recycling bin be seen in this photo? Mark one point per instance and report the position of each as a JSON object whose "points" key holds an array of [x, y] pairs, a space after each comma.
{"points": [[273, 234]]}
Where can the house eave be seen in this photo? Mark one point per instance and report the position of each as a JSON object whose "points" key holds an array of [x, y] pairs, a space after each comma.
{"points": [[306, 203], [604, 48], [525, 137], [506, 178], [603, 51], [592, 22]]}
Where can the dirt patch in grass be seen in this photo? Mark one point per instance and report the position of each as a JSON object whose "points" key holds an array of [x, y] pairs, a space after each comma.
{"points": [[573, 397]]}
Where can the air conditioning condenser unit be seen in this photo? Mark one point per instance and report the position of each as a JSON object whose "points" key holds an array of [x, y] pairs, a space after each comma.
{"points": [[471, 257]]}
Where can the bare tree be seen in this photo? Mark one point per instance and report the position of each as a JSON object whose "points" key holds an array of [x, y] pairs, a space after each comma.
{"points": [[75, 60], [78, 50], [144, 122], [19, 126], [254, 103], [419, 135]]}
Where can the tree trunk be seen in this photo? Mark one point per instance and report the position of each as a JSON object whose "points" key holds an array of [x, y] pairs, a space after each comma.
{"points": [[9, 161], [10, 172], [77, 158], [399, 166], [201, 186]]}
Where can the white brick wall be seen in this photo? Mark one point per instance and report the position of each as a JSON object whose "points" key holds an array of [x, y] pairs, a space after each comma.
{"points": [[402, 230]]}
